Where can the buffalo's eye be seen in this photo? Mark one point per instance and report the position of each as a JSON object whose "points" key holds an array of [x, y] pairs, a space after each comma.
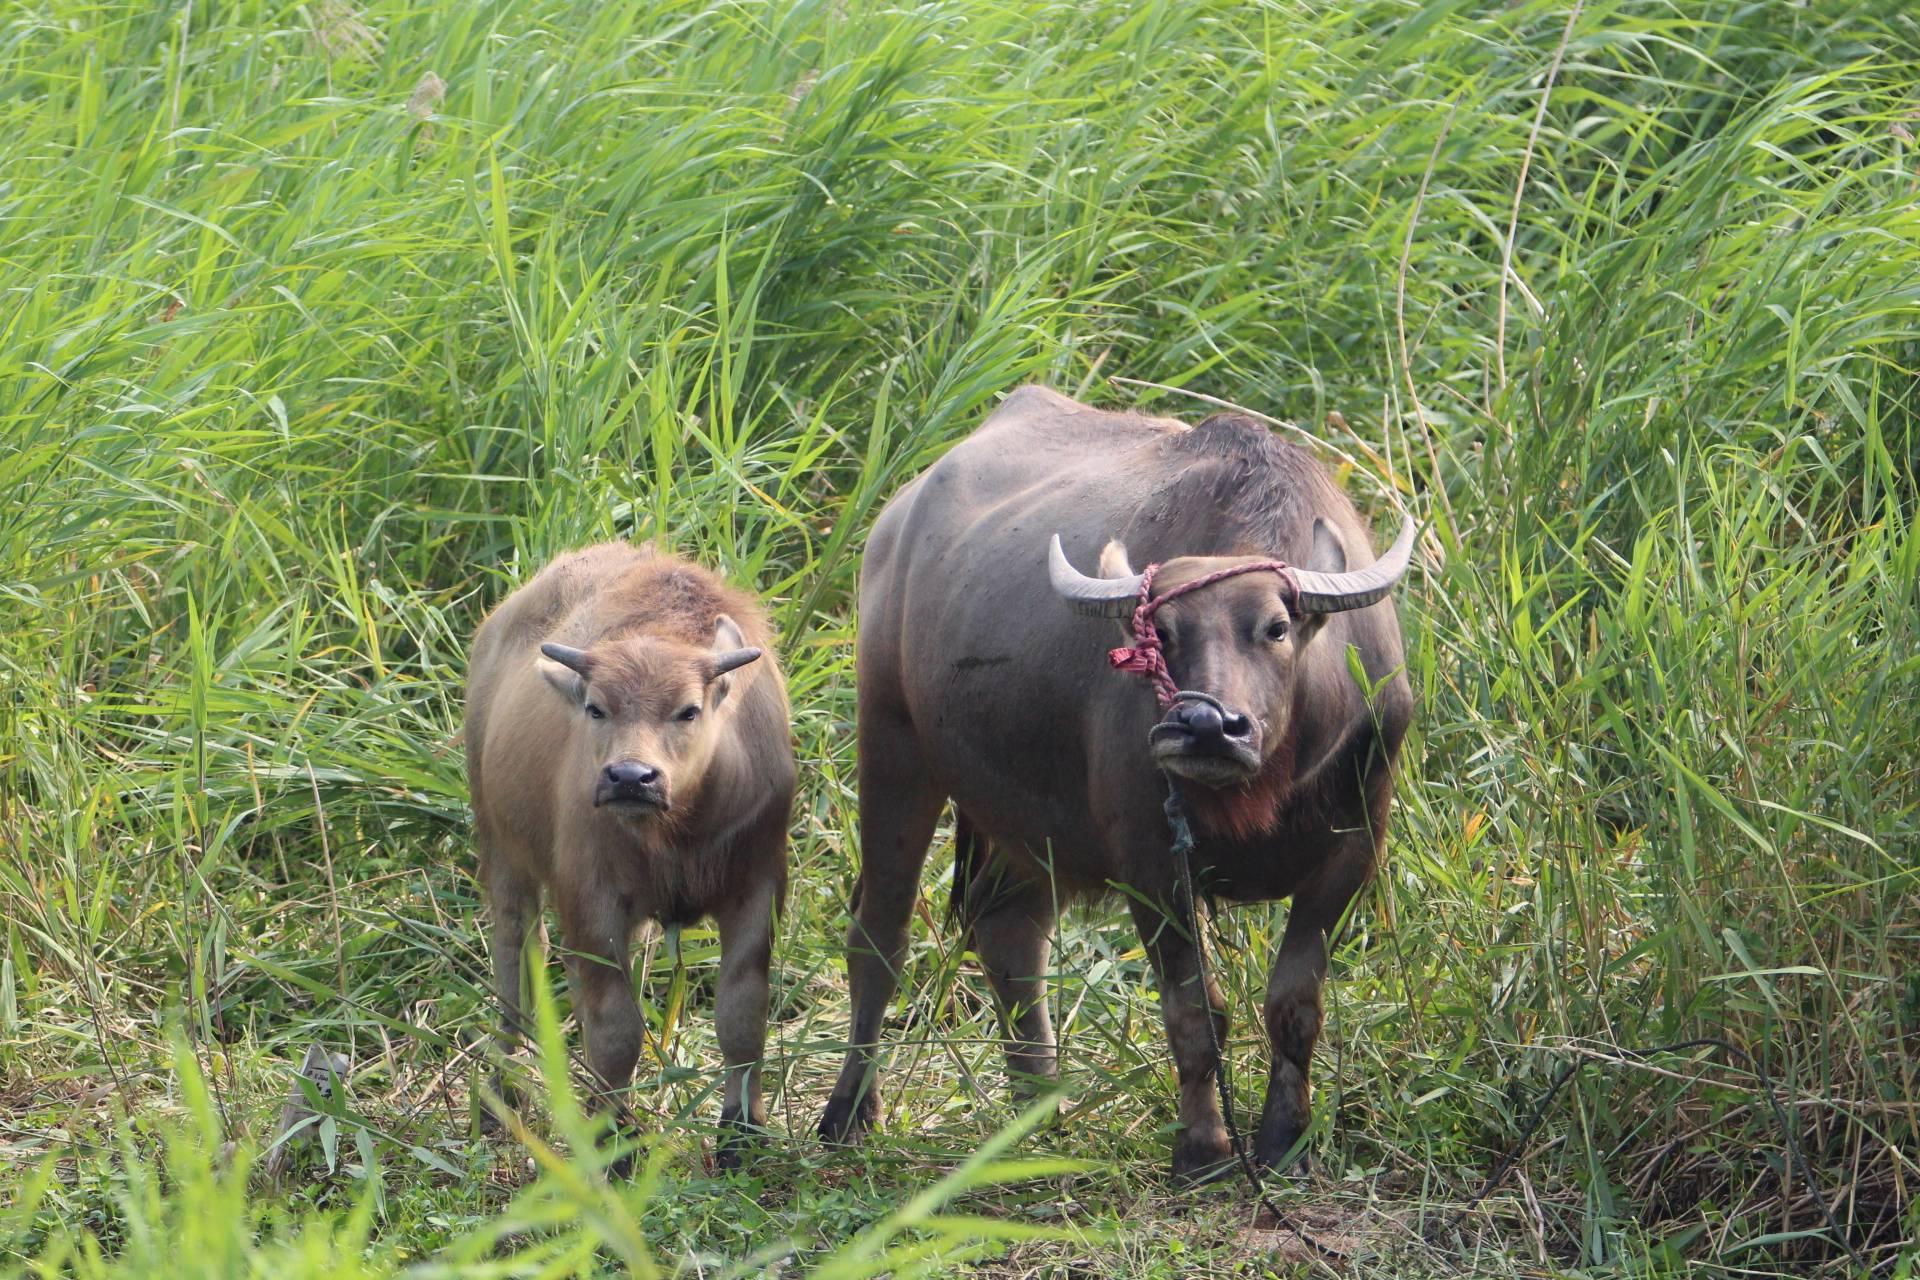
{"points": [[687, 714], [1166, 641], [595, 713], [1277, 630]]}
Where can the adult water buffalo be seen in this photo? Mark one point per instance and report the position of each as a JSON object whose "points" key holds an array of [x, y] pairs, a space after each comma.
{"points": [[982, 681]]}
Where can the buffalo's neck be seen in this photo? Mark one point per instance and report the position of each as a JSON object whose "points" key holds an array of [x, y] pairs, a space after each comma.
{"points": [[1305, 784], [1252, 809]]}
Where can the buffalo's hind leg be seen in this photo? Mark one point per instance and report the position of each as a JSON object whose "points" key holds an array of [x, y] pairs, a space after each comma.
{"points": [[1293, 1006], [1011, 917], [898, 809]]}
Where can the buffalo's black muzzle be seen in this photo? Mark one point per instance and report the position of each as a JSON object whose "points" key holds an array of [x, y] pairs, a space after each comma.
{"points": [[1206, 740], [631, 784]]}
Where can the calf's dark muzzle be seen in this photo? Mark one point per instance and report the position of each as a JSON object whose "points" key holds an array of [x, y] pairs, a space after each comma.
{"points": [[631, 783]]}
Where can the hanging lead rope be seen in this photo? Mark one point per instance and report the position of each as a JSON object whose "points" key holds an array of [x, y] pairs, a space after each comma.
{"points": [[1182, 851], [1147, 657]]}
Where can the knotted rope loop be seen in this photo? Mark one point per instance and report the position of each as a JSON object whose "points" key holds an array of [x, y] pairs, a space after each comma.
{"points": [[1146, 656]]}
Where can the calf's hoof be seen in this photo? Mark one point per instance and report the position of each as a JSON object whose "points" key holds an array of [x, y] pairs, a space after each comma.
{"points": [[618, 1145], [847, 1119], [1201, 1156]]}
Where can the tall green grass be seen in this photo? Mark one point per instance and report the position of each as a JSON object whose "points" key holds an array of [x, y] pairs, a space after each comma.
{"points": [[322, 325]]}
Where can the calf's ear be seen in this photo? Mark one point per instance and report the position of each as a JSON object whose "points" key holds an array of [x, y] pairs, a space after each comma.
{"points": [[730, 652], [566, 683], [565, 668]]}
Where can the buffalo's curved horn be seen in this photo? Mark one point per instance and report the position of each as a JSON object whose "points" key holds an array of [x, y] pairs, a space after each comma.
{"points": [[732, 658], [1333, 592], [1102, 597], [567, 656]]}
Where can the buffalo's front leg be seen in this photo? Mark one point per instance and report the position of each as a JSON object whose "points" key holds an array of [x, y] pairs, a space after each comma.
{"points": [[1293, 1007], [740, 1014], [1202, 1150], [597, 932], [898, 808], [1012, 924]]}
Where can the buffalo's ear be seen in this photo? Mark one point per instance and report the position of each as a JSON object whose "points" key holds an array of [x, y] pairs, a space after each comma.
{"points": [[1328, 555], [730, 652], [565, 668], [1114, 563]]}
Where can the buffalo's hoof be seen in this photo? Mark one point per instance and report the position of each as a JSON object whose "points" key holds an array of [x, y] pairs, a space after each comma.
{"points": [[490, 1114], [1055, 1119], [620, 1168], [846, 1120], [1202, 1157], [739, 1139], [1270, 1152]]}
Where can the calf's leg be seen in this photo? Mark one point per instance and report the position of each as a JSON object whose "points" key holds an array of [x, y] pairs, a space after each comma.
{"points": [[740, 1013], [598, 931], [898, 808], [1292, 1007], [513, 903]]}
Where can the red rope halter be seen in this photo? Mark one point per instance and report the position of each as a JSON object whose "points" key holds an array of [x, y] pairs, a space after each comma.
{"points": [[1146, 657]]}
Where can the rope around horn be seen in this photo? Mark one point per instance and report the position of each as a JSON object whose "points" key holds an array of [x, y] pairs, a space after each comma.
{"points": [[1146, 656]]}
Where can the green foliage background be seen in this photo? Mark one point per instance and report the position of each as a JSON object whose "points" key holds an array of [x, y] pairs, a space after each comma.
{"points": [[321, 325]]}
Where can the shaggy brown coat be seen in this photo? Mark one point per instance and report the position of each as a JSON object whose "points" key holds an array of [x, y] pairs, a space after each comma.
{"points": [[629, 752]]}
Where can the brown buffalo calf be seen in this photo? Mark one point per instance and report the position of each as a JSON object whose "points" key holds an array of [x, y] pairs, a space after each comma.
{"points": [[628, 751]]}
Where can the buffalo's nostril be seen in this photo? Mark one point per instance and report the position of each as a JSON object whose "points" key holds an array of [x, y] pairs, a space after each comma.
{"points": [[1236, 726], [1200, 719], [630, 773]]}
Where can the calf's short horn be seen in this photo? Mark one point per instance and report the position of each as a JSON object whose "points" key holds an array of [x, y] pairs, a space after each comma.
{"points": [[568, 656]]}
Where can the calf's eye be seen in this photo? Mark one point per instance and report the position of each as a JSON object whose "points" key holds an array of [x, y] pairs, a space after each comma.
{"points": [[1277, 630], [595, 713], [687, 714]]}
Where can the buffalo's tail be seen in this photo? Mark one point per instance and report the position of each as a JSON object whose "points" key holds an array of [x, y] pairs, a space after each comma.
{"points": [[969, 857]]}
